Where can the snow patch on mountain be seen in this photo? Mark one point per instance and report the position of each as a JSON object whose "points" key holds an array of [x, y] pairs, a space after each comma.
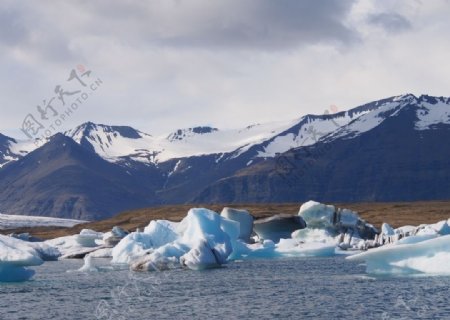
{"points": [[114, 147], [113, 143], [12, 149], [370, 120], [121, 144], [432, 112]]}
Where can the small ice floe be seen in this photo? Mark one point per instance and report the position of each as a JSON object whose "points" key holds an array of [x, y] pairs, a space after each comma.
{"points": [[88, 266]]}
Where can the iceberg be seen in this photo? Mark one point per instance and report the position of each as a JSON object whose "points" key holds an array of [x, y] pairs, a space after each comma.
{"points": [[157, 234], [243, 218], [77, 246], [430, 256], [88, 266], [197, 242], [387, 230], [15, 256], [112, 238], [317, 215]]}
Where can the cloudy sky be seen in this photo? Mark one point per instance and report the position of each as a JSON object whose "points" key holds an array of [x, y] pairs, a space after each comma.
{"points": [[168, 64]]}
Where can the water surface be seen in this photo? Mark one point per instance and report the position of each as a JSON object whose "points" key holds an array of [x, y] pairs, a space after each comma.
{"points": [[317, 288]]}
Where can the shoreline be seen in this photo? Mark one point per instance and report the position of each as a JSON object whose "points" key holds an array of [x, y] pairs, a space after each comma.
{"points": [[395, 213]]}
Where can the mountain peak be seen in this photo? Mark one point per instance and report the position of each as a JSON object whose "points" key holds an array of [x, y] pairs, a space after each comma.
{"points": [[89, 128]]}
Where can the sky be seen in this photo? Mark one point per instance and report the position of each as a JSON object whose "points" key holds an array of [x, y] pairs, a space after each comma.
{"points": [[170, 64]]}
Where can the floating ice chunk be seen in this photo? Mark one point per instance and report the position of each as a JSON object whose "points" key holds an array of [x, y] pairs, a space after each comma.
{"points": [[266, 250], [102, 253], [15, 255], [292, 248], [88, 266], [163, 258], [12, 273], [429, 256], [417, 238], [406, 230], [206, 225], [161, 232], [77, 246], [113, 237], [387, 230], [231, 227], [133, 245], [348, 218], [244, 218], [17, 252], [201, 257], [163, 244], [157, 234], [313, 235], [317, 215], [119, 232], [87, 238], [426, 230], [441, 227]]}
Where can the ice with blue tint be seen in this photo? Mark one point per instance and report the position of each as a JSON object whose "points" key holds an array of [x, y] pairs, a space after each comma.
{"points": [[387, 230], [317, 215], [430, 256], [15, 256], [244, 220], [88, 265], [199, 241]]}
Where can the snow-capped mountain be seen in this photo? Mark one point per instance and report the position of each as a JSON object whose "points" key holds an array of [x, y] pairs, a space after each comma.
{"points": [[391, 149], [430, 111], [12, 150], [116, 144], [395, 152]]}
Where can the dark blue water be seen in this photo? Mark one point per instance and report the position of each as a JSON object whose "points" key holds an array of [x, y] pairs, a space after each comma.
{"points": [[312, 288]]}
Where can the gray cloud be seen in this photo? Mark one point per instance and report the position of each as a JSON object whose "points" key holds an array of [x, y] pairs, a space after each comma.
{"points": [[12, 28], [259, 24], [168, 64], [391, 22]]}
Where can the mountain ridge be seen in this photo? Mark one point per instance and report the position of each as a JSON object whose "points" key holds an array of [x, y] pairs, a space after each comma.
{"points": [[345, 156]]}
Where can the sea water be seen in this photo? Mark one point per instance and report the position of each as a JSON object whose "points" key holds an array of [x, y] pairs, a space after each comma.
{"points": [[315, 288]]}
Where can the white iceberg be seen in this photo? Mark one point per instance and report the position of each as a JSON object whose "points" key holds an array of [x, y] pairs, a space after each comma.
{"points": [[136, 244], [431, 256], [15, 256], [387, 230], [317, 215], [77, 246], [244, 220], [197, 242], [88, 266]]}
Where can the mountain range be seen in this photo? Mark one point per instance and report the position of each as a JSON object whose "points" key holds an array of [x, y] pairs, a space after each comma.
{"points": [[387, 150]]}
